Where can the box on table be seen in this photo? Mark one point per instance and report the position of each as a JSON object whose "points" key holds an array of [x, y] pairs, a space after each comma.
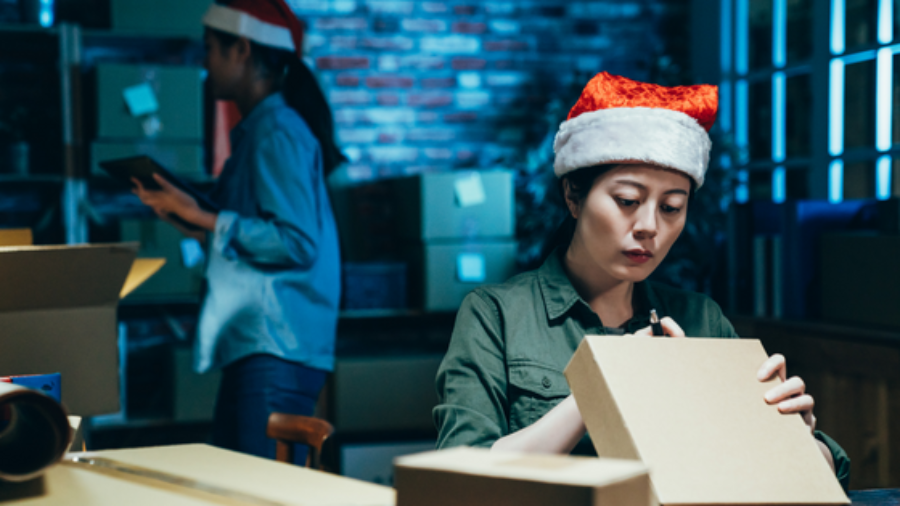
{"points": [[180, 158], [58, 313], [237, 479], [165, 103], [456, 205], [860, 278], [693, 411], [159, 17], [444, 273], [182, 276], [476, 477]]}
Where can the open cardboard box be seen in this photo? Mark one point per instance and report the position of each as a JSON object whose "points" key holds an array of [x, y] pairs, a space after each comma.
{"points": [[693, 411], [58, 314], [479, 477], [202, 475]]}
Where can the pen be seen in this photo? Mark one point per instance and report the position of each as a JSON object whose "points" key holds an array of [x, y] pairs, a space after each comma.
{"points": [[655, 326]]}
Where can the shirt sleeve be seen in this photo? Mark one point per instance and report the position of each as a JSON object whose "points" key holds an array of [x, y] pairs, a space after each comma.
{"points": [[288, 224], [840, 457], [471, 382]]}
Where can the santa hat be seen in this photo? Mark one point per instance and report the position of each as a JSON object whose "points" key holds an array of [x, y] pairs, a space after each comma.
{"points": [[618, 120], [267, 22]]}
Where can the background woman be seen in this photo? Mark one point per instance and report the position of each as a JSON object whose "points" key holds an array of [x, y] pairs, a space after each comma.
{"points": [[629, 157], [269, 317]]}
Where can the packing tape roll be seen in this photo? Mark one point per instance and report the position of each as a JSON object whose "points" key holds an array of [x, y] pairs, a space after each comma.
{"points": [[34, 432]]}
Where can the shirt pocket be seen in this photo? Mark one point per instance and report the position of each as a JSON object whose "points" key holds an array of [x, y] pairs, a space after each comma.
{"points": [[534, 390]]}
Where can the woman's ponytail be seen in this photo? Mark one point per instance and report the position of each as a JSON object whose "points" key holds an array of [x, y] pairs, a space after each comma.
{"points": [[302, 92]]}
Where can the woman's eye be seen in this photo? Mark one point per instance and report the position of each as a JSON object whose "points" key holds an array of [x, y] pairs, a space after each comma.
{"points": [[627, 203], [670, 209]]}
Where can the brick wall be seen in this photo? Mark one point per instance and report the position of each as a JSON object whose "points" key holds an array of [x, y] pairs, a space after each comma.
{"points": [[420, 86]]}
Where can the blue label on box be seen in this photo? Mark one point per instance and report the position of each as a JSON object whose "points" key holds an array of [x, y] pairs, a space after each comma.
{"points": [[46, 383], [470, 268]]}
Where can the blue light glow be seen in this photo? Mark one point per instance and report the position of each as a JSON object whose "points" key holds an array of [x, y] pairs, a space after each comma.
{"points": [[742, 191], [836, 181], [724, 118], [850, 59], [742, 21], [46, 17], [883, 178], [740, 120], [779, 185], [837, 26], [885, 21], [726, 43], [779, 34], [883, 97], [836, 108], [778, 119]]}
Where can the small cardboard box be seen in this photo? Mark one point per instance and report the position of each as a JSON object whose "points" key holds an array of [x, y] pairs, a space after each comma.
{"points": [[456, 205], [479, 477], [58, 314], [201, 469], [693, 411]]}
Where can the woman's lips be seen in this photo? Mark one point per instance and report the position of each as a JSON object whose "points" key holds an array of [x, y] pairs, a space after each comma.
{"points": [[638, 256]]}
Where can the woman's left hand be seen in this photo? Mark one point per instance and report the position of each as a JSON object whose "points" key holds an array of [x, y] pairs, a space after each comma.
{"points": [[169, 199], [790, 396]]}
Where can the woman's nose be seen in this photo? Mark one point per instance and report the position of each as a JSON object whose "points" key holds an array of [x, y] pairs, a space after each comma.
{"points": [[645, 227]]}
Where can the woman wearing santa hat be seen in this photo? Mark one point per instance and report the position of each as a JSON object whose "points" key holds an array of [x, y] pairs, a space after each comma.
{"points": [[629, 158], [269, 316]]}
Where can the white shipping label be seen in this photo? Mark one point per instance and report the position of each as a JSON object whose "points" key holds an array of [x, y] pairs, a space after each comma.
{"points": [[470, 268], [141, 99], [469, 190]]}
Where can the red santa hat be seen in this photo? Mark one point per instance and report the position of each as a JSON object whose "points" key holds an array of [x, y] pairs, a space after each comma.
{"points": [[620, 121], [267, 22]]}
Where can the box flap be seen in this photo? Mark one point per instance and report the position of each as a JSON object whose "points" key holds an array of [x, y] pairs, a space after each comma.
{"points": [[141, 270], [16, 237], [44, 277], [697, 418]]}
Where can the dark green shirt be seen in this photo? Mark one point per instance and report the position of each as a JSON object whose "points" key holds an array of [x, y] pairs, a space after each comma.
{"points": [[511, 342]]}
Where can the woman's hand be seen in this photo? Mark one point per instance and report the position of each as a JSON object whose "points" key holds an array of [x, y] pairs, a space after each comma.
{"points": [[171, 200], [790, 396], [670, 329]]}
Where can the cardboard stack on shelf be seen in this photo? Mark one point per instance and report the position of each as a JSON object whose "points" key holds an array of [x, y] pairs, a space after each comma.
{"points": [[150, 110], [459, 232]]}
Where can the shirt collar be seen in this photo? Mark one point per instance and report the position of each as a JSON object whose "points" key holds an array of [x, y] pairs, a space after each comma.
{"points": [[560, 296], [273, 101]]}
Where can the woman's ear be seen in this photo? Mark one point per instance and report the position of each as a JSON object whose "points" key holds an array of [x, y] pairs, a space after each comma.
{"points": [[572, 201], [242, 50]]}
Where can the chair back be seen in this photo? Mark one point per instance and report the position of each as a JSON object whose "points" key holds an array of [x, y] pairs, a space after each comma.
{"points": [[288, 430]]}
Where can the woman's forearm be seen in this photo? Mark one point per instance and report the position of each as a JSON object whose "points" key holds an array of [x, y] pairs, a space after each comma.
{"points": [[556, 432]]}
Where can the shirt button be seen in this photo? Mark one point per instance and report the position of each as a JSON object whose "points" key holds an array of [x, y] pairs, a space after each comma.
{"points": [[546, 382]]}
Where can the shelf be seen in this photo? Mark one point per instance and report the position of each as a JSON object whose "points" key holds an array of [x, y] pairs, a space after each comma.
{"points": [[32, 178]]}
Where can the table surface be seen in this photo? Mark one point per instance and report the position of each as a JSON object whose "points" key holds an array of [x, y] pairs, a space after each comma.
{"points": [[877, 497]]}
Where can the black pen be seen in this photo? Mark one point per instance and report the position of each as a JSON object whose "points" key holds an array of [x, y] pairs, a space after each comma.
{"points": [[655, 326]]}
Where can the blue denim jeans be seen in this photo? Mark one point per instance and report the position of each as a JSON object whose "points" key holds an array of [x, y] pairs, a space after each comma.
{"points": [[254, 387]]}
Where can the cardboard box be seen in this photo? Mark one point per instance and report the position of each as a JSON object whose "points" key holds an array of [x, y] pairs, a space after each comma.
{"points": [[158, 239], [248, 480], [456, 205], [693, 411], [860, 278], [174, 107], [15, 237], [58, 314], [391, 392], [442, 274], [159, 17], [478, 477], [182, 159]]}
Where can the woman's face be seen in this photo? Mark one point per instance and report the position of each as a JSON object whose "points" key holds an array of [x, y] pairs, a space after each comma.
{"points": [[630, 219], [223, 67]]}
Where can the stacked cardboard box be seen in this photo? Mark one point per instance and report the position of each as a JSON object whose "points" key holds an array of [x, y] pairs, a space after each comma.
{"points": [[459, 232], [150, 110]]}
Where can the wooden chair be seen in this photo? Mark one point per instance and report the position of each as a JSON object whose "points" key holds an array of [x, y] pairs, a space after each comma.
{"points": [[290, 429]]}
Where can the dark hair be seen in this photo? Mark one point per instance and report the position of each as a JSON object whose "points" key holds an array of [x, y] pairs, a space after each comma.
{"points": [[580, 183], [301, 91]]}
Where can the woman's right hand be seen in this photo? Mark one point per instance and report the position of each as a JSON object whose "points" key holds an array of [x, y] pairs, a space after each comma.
{"points": [[670, 329]]}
